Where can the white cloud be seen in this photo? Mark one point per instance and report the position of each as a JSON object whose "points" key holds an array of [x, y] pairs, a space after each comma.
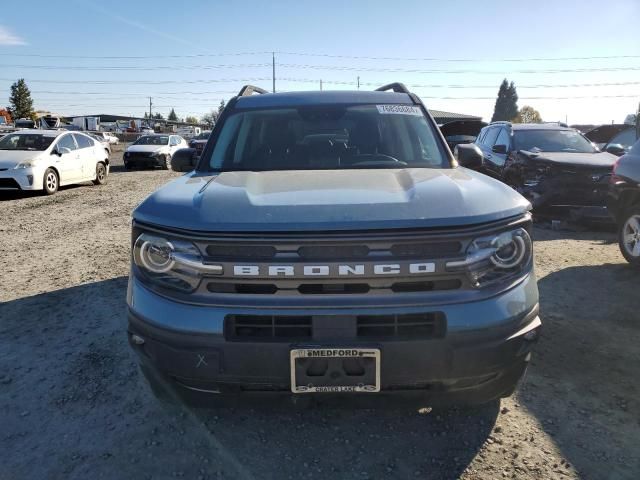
{"points": [[8, 38]]}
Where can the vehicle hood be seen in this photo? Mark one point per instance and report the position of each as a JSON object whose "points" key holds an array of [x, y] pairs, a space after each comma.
{"points": [[596, 160], [11, 158], [147, 148], [329, 200]]}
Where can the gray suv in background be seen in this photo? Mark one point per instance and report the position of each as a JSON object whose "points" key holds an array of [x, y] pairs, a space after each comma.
{"points": [[327, 244]]}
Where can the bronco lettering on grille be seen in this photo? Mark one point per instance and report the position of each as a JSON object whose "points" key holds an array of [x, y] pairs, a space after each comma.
{"points": [[334, 270]]}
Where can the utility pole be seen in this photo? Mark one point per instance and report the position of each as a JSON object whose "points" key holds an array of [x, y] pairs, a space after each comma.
{"points": [[273, 65], [150, 107], [320, 84], [358, 82]]}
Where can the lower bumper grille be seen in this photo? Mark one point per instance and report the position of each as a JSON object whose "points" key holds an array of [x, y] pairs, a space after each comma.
{"points": [[9, 183], [289, 328]]}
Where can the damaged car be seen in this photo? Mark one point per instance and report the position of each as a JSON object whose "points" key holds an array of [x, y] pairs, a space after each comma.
{"points": [[555, 167]]}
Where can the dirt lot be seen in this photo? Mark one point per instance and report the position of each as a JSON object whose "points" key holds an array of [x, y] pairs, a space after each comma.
{"points": [[73, 405]]}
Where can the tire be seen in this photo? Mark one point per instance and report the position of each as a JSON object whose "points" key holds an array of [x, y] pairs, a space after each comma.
{"points": [[166, 162], [101, 174], [629, 235], [50, 181]]}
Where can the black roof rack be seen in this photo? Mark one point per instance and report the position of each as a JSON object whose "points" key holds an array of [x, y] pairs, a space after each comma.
{"points": [[250, 90], [395, 86]]}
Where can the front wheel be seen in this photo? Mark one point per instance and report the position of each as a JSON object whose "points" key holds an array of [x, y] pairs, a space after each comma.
{"points": [[629, 236], [50, 181], [101, 174]]}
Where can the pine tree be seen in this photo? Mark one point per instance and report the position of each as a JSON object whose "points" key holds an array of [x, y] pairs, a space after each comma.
{"points": [[221, 107], [172, 115], [507, 102], [20, 100]]}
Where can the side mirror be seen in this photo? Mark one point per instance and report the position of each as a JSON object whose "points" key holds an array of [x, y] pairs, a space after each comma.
{"points": [[184, 160], [501, 149], [469, 156], [616, 149], [56, 151]]}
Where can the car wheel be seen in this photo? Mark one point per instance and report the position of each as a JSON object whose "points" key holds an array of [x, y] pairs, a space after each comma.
{"points": [[101, 174], [629, 236], [166, 164], [50, 181]]}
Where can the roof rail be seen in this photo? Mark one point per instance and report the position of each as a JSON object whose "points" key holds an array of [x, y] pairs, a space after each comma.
{"points": [[395, 86], [250, 90], [500, 122]]}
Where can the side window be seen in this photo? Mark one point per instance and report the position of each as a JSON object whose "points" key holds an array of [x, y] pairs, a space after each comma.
{"points": [[66, 141], [173, 141], [490, 138], [503, 138], [481, 135], [624, 138], [83, 141]]}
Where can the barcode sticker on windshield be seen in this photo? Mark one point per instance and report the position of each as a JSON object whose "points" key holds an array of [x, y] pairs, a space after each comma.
{"points": [[399, 110]]}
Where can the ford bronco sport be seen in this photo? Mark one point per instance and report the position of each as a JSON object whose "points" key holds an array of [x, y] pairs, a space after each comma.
{"points": [[327, 244]]}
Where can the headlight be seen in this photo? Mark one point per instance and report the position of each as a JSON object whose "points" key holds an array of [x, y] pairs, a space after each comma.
{"points": [[22, 165], [496, 258], [169, 263]]}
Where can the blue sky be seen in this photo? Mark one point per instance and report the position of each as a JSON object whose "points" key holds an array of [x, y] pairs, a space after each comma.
{"points": [[430, 45]]}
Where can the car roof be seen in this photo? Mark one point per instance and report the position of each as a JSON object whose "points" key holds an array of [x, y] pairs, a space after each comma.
{"points": [[44, 133], [539, 126], [296, 99]]}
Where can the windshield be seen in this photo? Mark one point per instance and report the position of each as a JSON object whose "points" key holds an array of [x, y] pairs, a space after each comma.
{"points": [[552, 141], [25, 142], [326, 138], [153, 140]]}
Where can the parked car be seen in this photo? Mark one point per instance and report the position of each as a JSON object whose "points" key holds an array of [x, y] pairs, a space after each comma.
{"points": [[553, 166], [153, 150], [615, 138], [104, 141], [624, 203], [461, 131], [48, 159], [328, 242], [198, 142], [107, 137]]}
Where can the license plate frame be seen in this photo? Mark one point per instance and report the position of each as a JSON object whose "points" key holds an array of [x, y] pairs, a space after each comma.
{"points": [[335, 353]]}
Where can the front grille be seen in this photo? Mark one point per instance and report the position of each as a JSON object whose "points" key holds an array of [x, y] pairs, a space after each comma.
{"points": [[9, 183], [267, 327], [140, 157], [285, 328], [408, 326]]}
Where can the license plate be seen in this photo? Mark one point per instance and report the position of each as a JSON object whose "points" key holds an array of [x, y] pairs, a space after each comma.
{"points": [[331, 370]]}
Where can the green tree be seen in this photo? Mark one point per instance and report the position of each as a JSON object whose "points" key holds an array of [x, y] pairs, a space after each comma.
{"points": [[210, 118], [191, 119], [221, 107], [507, 102], [172, 116], [21, 104], [527, 114], [158, 116]]}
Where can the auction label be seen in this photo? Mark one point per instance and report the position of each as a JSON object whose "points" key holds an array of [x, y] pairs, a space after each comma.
{"points": [[399, 110]]}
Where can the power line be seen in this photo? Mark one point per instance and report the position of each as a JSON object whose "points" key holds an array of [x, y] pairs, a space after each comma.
{"points": [[145, 82], [325, 55], [134, 68]]}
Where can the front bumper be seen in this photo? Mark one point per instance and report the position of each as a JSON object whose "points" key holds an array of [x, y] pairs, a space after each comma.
{"points": [[485, 350], [21, 179]]}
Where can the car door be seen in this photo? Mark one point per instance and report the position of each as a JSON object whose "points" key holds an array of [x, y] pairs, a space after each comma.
{"points": [[486, 142], [68, 163], [87, 151]]}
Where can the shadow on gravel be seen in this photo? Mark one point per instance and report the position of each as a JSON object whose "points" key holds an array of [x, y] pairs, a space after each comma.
{"points": [[73, 405], [587, 362]]}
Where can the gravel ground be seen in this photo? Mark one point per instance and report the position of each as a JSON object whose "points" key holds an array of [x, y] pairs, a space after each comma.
{"points": [[73, 405]]}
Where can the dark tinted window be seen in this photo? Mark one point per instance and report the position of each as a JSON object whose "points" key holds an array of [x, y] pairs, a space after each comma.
{"points": [[625, 138], [83, 141], [328, 137], [66, 141], [551, 141], [153, 140], [490, 137]]}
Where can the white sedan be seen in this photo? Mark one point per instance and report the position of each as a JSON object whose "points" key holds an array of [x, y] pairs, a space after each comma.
{"points": [[153, 150], [48, 159]]}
